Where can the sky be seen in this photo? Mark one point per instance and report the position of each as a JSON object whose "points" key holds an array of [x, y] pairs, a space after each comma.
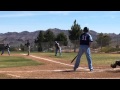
{"points": [[99, 21]]}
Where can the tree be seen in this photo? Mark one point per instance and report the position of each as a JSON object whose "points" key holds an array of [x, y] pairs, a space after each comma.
{"points": [[22, 47], [107, 39], [99, 40], [74, 33], [62, 37], [49, 37], [103, 40], [39, 40]]}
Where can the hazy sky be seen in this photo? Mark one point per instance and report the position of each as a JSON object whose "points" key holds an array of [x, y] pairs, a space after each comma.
{"points": [[99, 21]]}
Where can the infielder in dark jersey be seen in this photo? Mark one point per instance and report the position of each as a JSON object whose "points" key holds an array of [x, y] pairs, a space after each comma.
{"points": [[28, 47], [57, 48], [6, 47], [85, 42]]}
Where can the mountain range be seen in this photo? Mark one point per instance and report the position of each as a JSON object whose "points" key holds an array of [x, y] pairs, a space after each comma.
{"points": [[15, 38]]}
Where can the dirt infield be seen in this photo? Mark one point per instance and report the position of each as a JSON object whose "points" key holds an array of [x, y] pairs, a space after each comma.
{"points": [[57, 69]]}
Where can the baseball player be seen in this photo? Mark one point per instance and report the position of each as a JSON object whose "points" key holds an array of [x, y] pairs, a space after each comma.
{"points": [[6, 47], [85, 42], [28, 47], [57, 48]]}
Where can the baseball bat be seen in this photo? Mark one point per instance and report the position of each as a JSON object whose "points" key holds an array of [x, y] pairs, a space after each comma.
{"points": [[74, 58]]}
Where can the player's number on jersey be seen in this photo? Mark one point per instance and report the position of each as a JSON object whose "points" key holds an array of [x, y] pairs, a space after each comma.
{"points": [[83, 37]]}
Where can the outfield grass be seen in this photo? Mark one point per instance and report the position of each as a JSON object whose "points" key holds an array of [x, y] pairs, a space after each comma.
{"points": [[98, 59], [14, 61]]}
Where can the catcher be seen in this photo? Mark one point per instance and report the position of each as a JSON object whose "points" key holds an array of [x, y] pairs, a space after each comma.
{"points": [[117, 63]]}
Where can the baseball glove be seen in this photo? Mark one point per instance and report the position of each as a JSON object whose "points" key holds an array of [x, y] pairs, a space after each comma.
{"points": [[113, 65]]}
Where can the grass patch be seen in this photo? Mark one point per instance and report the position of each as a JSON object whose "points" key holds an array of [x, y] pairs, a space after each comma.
{"points": [[12, 61], [97, 59]]}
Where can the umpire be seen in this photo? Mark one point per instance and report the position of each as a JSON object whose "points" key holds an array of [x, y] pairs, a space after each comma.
{"points": [[85, 42]]}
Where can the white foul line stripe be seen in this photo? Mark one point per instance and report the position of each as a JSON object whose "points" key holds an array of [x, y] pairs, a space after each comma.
{"points": [[33, 71], [50, 60], [13, 75], [56, 62], [85, 68]]}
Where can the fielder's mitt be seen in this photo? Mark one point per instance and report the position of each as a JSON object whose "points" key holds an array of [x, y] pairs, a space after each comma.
{"points": [[113, 65]]}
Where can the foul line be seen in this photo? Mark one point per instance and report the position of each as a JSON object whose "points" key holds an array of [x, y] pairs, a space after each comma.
{"points": [[50, 60], [85, 68], [14, 75], [33, 71]]}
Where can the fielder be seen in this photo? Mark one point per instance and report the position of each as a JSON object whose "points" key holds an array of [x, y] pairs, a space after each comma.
{"points": [[28, 47], [57, 48], [6, 47]]}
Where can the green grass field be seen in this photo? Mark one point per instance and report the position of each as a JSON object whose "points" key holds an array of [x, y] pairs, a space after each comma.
{"points": [[101, 60], [14, 61], [97, 59]]}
